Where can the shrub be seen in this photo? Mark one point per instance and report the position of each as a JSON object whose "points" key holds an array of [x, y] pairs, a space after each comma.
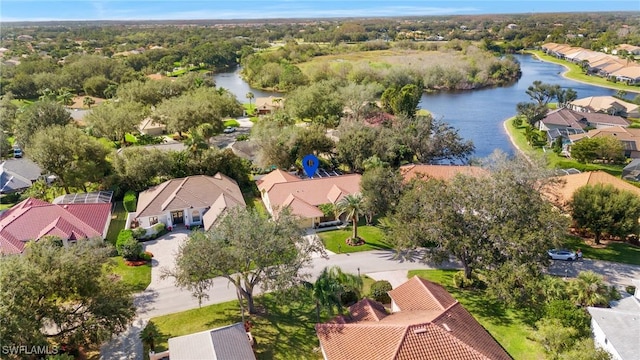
{"points": [[460, 281], [569, 315], [139, 233], [9, 198], [144, 256], [243, 137], [630, 289], [379, 291], [129, 201], [349, 297], [130, 249], [123, 236]]}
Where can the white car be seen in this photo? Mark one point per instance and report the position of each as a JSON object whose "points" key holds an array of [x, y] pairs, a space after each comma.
{"points": [[562, 254]]}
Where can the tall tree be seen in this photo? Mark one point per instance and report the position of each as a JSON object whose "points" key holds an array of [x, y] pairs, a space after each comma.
{"points": [[542, 93], [138, 168], [352, 205], [531, 112], [483, 222], [381, 188], [65, 291], [114, 120], [246, 249], [605, 148], [39, 115], [402, 101], [73, 156], [603, 209]]}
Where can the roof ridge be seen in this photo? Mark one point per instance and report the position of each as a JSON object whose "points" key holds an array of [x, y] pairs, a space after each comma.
{"points": [[225, 190], [161, 187], [463, 343], [173, 195], [402, 339]]}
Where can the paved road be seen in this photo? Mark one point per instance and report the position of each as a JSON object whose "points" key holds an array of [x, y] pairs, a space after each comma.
{"points": [[162, 297]]}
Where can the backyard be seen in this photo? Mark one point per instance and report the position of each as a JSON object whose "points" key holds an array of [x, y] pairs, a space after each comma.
{"points": [[554, 160], [287, 331], [508, 326], [136, 277]]}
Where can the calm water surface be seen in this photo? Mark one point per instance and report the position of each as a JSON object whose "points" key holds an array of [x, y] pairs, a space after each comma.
{"points": [[477, 114]]}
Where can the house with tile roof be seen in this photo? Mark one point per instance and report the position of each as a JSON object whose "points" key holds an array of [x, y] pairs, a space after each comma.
{"points": [[616, 329], [33, 219], [280, 190], [629, 137], [561, 192], [605, 104], [268, 105], [439, 172], [566, 118], [18, 174], [195, 201], [227, 342], [425, 322]]}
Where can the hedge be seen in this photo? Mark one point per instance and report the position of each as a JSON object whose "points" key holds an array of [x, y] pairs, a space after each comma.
{"points": [[130, 201], [378, 291]]}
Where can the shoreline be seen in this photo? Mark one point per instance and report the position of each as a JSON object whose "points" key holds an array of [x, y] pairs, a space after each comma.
{"points": [[567, 69], [505, 125]]}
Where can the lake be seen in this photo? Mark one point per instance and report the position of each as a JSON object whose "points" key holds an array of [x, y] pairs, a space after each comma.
{"points": [[477, 114]]}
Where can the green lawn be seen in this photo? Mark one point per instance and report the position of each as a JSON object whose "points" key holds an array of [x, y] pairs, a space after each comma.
{"points": [[118, 220], [137, 277], [281, 331], [507, 326], [231, 123], [372, 235], [554, 160], [576, 73], [616, 251]]}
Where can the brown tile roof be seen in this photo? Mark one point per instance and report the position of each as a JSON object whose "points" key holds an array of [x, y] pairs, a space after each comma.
{"points": [[562, 192], [198, 191], [629, 137], [275, 177], [580, 120], [440, 172], [442, 330], [603, 103], [32, 219], [305, 195], [420, 294]]}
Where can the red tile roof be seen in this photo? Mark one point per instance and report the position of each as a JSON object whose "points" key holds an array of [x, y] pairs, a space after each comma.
{"points": [[32, 219], [430, 325]]}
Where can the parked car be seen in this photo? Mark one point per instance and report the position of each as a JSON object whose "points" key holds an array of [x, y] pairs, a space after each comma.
{"points": [[17, 152], [229, 130], [562, 254]]}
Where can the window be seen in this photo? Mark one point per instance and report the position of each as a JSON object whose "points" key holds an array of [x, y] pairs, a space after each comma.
{"points": [[195, 216], [153, 220]]}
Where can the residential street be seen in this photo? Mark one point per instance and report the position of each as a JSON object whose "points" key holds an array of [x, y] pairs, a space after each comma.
{"points": [[162, 297]]}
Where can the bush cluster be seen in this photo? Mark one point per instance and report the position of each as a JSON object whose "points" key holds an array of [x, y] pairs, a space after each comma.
{"points": [[129, 201], [460, 281], [378, 291]]}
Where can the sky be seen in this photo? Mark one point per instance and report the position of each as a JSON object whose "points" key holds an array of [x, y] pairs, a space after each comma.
{"points": [[48, 10]]}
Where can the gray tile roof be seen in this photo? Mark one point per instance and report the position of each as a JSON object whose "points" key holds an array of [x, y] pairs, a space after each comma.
{"points": [[224, 343], [621, 325], [18, 174]]}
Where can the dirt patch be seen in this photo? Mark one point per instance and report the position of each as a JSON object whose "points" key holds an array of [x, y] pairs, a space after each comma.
{"points": [[78, 102]]}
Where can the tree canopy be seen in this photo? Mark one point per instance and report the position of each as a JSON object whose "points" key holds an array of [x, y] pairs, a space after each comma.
{"points": [[61, 295], [246, 249], [603, 209]]}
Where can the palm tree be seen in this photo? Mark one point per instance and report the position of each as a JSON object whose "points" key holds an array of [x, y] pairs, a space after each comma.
{"points": [[328, 289], [353, 206], [148, 335], [88, 101], [196, 143], [589, 289], [250, 96], [65, 97]]}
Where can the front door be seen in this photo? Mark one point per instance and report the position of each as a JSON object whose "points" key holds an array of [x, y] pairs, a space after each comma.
{"points": [[177, 217]]}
